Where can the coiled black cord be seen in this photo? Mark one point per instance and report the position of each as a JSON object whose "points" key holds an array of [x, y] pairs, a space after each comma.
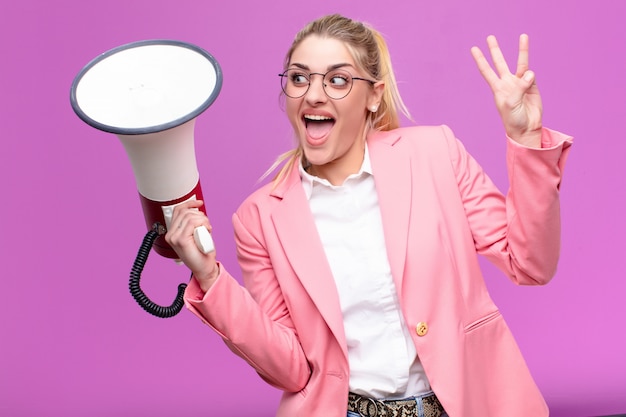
{"points": [[135, 275]]}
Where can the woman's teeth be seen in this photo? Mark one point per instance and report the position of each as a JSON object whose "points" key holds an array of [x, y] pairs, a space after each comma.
{"points": [[315, 117]]}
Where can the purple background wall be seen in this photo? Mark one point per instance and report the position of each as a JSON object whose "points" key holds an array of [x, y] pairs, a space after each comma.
{"points": [[72, 340]]}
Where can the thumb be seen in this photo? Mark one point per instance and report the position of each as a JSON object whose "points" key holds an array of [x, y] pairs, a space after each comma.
{"points": [[529, 78]]}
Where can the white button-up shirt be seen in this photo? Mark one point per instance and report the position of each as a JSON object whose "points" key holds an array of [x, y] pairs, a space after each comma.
{"points": [[382, 357]]}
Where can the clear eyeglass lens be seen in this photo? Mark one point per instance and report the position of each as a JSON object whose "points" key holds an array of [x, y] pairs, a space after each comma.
{"points": [[337, 83]]}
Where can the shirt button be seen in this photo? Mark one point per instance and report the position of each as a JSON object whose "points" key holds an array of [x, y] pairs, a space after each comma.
{"points": [[421, 329]]}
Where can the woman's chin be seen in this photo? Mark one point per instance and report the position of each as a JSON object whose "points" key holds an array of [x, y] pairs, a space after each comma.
{"points": [[316, 156]]}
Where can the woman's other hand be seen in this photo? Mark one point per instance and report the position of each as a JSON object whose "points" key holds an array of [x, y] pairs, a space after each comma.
{"points": [[516, 95]]}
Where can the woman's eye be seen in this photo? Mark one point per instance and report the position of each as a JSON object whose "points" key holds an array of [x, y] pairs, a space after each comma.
{"points": [[339, 80], [299, 79]]}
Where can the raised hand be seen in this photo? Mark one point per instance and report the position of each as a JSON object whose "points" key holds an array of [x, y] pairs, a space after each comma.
{"points": [[516, 95]]}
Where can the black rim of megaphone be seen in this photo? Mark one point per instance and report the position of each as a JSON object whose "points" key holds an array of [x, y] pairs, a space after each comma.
{"points": [[155, 128]]}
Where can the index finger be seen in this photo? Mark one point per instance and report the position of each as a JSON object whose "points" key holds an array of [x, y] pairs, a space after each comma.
{"points": [[189, 204]]}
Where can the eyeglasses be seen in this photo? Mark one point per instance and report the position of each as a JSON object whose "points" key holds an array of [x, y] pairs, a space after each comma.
{"points": [[337, 83]]}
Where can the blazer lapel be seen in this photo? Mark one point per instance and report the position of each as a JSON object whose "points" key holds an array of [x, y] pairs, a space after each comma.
{"points": [[300, 240], [392, 176]]}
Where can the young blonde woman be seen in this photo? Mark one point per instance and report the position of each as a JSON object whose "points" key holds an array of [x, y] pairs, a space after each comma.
{"points": [[363, 293]]}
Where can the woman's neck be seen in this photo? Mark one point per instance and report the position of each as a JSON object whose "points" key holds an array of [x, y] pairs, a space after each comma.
{"points": [[337, 171]]}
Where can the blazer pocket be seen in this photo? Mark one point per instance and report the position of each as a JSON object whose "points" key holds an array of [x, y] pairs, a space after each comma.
{"points": [[483, 321]]}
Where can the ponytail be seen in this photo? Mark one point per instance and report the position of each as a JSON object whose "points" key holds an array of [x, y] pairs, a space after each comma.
{"points": [[387, 118]]}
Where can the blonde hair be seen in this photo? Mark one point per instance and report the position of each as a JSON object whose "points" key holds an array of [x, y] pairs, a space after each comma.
{"points": [[369, 50]]}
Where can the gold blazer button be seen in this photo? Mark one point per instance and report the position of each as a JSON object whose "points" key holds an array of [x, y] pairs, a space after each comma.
{"points": [[421, 329]]}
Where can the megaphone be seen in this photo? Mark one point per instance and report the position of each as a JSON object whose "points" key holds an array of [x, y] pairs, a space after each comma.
{"points": [[149, 93]]}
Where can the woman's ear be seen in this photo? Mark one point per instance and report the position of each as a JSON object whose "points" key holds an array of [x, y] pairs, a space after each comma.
{"points": [[377, 94]]}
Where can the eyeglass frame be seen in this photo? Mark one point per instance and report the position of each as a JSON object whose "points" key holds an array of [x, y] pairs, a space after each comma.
{"points": [[308, 77]]}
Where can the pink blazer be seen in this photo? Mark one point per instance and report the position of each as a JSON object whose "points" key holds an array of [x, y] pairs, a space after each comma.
{"points": [[439, 211]]}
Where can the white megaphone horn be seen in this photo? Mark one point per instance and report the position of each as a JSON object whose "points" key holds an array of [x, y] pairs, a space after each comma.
{"points": [[149, 94]]}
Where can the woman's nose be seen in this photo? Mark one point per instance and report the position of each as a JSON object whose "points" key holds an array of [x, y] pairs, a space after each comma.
{"points": [[316, 93]]}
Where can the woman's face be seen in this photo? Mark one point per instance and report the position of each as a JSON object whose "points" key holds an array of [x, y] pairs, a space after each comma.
{"points": [[331, 132]]}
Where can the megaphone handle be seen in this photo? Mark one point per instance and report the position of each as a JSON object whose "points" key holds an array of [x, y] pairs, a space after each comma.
{"points": [[203, 240]]}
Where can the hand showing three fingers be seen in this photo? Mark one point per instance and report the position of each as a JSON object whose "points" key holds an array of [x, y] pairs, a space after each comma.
{"points": [[185, 218], [516, 95]]}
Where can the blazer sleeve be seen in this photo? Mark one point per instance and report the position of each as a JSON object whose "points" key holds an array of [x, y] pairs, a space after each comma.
{"points": [[520, 232], [254, 322]]}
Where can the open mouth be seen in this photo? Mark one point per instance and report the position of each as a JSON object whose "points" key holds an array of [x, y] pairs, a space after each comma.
{"points": [[318, 126]]}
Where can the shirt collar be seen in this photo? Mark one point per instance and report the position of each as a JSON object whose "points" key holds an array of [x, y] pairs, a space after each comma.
{"points": [[309, 180]]}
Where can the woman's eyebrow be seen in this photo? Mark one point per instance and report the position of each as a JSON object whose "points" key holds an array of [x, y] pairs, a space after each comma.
{"points": [[301, 66], [329, 68]]}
